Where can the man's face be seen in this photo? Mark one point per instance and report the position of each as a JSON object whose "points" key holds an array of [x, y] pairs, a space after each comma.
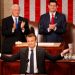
{"points": [[31, 41], [52, 7], [16, 11]]}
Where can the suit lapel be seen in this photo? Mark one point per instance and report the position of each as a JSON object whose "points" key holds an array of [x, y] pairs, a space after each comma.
{"points": [[11, 19], [24, 59], [56, 17], [11, 22], [37, 56], [26, 54], [19, 21], [48, 18]]}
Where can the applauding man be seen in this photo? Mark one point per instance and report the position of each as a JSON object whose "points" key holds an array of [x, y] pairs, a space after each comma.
{"points": [[32, 58], [14, 28], [52, 24]]}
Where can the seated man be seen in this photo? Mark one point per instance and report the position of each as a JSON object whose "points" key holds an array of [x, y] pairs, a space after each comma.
{"points": [[32, 58], [14, 28]]}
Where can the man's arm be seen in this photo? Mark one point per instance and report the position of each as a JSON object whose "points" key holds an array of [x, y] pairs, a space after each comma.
{"points": [[61, 26], [25, 27], [58, 57], [53, 58], [9, 58], [6, 27], [43, 29]]}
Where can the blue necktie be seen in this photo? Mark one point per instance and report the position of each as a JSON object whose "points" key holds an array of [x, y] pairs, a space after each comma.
{"points": [[32, 62], [16, 21]]}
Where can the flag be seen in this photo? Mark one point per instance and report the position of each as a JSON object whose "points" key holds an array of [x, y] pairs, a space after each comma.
{"points": [[33, 9]]}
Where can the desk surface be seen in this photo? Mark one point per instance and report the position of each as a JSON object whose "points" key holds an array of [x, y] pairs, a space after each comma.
{"points": [[21, 44], [48, 46]]}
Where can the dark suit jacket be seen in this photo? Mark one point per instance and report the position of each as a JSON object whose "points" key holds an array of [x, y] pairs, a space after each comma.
{"points": [[9, 37], [52, 36], [41, 55]]}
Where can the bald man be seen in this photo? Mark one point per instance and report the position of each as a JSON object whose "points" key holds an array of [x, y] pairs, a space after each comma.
{"points": [[14, 28]]}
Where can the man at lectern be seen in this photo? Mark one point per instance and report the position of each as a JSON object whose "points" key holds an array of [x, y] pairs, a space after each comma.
{"points": [[32, 58]]}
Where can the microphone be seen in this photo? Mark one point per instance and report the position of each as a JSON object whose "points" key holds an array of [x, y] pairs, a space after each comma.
{"points": [[27, 60]]}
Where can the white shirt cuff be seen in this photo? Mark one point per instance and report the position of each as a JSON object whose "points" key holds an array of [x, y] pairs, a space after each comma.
{"points": [[0, 54], [55, 28], [62, 55], [23, 30], [48, 30], [12, 30]]}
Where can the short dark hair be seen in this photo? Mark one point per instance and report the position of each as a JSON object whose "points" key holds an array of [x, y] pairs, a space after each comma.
{"points": [[32, 35], [54, 1]]}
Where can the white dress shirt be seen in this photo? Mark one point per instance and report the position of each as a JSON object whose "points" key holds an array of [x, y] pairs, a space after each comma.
{"points": [[14, 18], [35, 61]]}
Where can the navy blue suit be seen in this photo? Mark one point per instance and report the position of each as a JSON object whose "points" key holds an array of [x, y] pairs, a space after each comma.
{"points": [[9, 37], [52, 36]]}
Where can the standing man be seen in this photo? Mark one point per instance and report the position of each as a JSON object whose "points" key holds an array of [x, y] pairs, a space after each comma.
{"points": [[14, 28], [52, 24], [32, 58]]}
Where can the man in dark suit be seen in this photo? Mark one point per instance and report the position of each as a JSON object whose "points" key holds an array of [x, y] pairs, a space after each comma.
{"points": [[32, 58], [14, 28], [52, 24]]}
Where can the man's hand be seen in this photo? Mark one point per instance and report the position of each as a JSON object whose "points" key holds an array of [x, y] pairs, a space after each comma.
{"points": [[22, 25], [64, 52], [52, 26], [14, 26]]}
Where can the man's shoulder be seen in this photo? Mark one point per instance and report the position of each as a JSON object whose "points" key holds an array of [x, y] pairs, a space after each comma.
{"points": [[23, 49], [45, 14], [40, 48], [7, 18], [22, 18], [60, 14]]}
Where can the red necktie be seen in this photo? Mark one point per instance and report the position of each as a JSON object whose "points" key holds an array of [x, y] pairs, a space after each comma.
{"points": [[52, 19]]}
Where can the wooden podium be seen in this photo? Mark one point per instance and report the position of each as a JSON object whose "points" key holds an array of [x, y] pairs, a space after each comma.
{"points": [[1, 66], [52, 48]]}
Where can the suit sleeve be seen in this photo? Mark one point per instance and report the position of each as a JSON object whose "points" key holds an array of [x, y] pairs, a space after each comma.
{"points": [[26, 32], [10, 58], [6, 28], [43, 26], [61, 26], [53, 58]]}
